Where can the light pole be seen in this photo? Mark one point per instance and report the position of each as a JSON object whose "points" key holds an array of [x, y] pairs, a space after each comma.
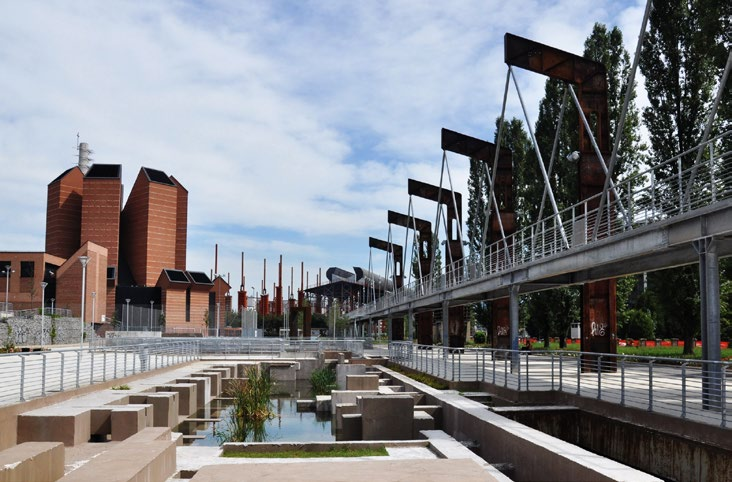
{"points": [[151, 313], [43, 310], [7, 284], [52, 301], [218, 319], [94, 311], [84, 260], [128, 314]]}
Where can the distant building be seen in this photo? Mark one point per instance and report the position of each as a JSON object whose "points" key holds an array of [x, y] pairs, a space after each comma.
{"points": [[137, 270]]}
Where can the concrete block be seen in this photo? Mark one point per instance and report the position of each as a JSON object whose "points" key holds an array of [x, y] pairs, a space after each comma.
{"points": [[187, 396], [387, 417], [435, 411], [343, 370], [230, 371], [32, 461], [346, 396], [203, 389], [362, 382], [305, 405], [283, 373], [215, 388], [129, 420], [165, 407], [69, 425], [343, 409], [352, 427], [323, 403], [100, 421], [143, 457], [422, 421]]}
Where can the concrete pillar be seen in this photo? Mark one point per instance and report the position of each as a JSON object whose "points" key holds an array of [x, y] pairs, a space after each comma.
{"points": [[445, 324], [710, 319], [513, 312]]}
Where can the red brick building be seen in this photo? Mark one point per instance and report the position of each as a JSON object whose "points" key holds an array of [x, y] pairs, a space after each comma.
{"points": [[137, 254]]}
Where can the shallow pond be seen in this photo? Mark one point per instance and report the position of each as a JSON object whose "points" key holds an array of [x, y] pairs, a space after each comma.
{"points": [[288, 425]]}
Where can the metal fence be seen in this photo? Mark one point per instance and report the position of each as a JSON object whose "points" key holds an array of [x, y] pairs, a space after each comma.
{"points": [[269, 347], [689, 389], [24, 376]]}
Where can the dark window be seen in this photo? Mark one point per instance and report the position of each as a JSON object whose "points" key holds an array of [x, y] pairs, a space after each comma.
{"points": [[27, 269], [3, 264], [188, 304], [111, 273]]}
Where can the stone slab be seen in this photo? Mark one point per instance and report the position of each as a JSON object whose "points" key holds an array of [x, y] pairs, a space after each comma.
{"points": [[203, 388], [69, 425], [348, 396], [215, 381], [343, 370], [32, 461], [165, 407], [187, 396], [130, 419], [362, 382], [387, 417], [424, 470]]}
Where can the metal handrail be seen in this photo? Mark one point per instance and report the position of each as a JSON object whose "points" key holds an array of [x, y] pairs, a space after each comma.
{"points": [[651, 196], [697, 390], [28, 375]]}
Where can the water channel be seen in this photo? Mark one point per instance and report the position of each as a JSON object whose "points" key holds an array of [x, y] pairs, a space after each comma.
{"points": [[287, 424]]}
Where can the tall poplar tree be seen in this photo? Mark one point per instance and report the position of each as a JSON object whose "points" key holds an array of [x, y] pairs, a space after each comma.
{"points": [[681, 61]]}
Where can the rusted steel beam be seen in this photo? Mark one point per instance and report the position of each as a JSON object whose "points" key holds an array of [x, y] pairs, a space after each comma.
{"points": [[599, 316], [398, 255], [485, 151]]}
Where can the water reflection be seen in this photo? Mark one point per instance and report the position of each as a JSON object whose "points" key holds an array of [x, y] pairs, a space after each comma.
{"points": [[287, 423]]}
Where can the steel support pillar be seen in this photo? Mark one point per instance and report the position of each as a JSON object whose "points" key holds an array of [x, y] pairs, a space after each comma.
{"points": [[513, 302], [710, 323], [424, 323], [410, 325], [445, 323]]}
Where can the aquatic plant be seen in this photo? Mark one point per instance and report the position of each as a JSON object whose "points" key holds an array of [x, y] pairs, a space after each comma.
{"points": [[322, 381], [251, 408]]}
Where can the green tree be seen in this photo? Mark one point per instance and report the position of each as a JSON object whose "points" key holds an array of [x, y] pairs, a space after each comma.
{"points": [[681, 60]]}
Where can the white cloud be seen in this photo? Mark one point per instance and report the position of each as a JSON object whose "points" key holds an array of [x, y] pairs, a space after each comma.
{"points": [[294, 125]]}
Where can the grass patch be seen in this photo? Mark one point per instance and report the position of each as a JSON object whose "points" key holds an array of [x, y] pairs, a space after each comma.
{"points": [[304, 454], [121, 387], [420, 377]]}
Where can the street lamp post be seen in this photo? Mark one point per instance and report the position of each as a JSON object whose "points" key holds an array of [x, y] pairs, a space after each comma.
{"points": [[7, 284], [151, 313], [128, 314], [94, 311], [43, 310], [52, 301], [218, 311], [84, 260]]}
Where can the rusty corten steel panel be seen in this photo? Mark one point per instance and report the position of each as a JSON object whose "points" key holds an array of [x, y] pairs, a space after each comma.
{"points": [[599, 317], [474, 148], [398, 252], [432, 192]]}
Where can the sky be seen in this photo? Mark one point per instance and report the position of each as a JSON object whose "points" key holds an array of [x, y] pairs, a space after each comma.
{"points": [[294, 125]]}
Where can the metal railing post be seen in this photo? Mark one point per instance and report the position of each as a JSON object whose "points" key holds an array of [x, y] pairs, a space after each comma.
{"points": [[116, 354], [599, 377], [104, 365], [91, 368], [724, 396], [78, 367], [683, 390], [622, 381], [61, 375], [43, 376], [552, 365], [483, 370], [22, 377], [650, 385], [527, 371], [560, 371], [579, 371]]}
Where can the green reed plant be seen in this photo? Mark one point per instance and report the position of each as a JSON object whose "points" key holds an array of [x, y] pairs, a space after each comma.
{"points": [[251, 408], [322, 381]]}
